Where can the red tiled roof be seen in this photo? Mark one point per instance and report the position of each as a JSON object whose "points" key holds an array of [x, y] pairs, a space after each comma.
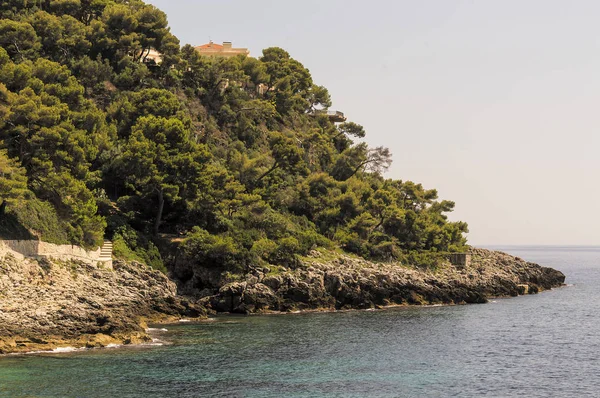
{"points": [[210, 45]]}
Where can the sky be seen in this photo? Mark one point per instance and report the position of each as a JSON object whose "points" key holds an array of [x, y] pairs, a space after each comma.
{"points": [[493, 103]]}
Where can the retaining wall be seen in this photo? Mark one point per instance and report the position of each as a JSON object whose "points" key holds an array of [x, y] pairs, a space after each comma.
{"points": [[38, 249]]}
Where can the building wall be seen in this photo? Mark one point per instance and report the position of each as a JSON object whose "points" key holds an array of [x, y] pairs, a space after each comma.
{"points": [[217, 50]]}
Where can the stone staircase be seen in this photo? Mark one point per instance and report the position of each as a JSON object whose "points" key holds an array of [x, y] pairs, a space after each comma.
{"points": [[106, 253]]}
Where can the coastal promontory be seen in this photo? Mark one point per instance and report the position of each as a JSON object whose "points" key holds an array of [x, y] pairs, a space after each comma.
{"points": [[213, 181]]}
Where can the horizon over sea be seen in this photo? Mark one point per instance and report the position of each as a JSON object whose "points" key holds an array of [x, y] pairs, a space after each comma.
{"points": [[544, 345]]}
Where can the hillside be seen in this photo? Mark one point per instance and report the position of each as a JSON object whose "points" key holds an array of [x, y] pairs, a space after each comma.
{"points": [[226, 175], [99, 141]]}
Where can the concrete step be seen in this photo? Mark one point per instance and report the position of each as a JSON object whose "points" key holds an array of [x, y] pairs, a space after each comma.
{"points": [[106, 250]]}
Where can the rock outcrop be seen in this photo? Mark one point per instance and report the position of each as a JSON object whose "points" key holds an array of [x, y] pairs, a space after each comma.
{"points": [[343, 282], [47, 304]]}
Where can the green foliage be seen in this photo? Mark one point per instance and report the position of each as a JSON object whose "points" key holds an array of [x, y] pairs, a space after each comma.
{"points": [[18, 39], [230, 154], [13, 180], [213, 251], [131, 246], [33, 219]]}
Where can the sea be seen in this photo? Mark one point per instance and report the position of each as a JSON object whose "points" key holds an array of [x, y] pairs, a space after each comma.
{"points": [[544, 345]]}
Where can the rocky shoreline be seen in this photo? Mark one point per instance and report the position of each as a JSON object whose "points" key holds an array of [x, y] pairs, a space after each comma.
{"points": [[46, 305], [345, 282]]}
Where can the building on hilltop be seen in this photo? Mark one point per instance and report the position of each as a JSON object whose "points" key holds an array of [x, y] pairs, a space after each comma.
{"points": [[153, 55], [217, 50]]}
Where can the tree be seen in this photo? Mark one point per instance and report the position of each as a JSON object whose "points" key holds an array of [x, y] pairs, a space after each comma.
{"points": [[13, 181], [19, 39], [75, 204], [344, 131], [285, 152], [351, 161], [289, 81], [160, 161], [233, 146], [4, 105], [63, 38], [319, 97], [350, 129]]}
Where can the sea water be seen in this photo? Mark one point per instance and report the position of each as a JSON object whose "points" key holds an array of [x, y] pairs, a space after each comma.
{"points": [[545, 345]]}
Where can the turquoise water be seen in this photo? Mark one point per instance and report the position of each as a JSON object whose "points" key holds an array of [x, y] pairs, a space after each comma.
{"points": [[535, 346]]}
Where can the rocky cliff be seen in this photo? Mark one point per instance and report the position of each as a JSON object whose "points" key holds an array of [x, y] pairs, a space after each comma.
{"points": [[325, 281], [47, 304]]}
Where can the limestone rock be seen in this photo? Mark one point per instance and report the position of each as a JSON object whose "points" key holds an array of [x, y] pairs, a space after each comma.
{"points": [[349, 282], [47, 304]]}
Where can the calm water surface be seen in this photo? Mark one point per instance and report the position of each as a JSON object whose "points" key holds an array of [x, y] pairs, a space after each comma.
{"points": [[545, 345]]}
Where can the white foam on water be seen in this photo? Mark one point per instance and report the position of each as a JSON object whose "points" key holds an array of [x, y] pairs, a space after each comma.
{"points": [[59, 350], [66, 349], [157, 330], [113, 345], [184, 320], [153, 343]]}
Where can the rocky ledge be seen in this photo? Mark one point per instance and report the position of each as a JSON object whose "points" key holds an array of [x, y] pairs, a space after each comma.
{"points": [[326, 281], [49, 304]]}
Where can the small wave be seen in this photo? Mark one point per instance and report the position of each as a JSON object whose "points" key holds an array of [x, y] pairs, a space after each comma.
{"points": [[113, 345], [59, 350], [153, 343], [157, 330], [184, 320], [67, 349]]}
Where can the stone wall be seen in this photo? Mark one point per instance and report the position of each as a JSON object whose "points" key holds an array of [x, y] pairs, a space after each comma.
{"points": [[38, 249], [460, 260]]}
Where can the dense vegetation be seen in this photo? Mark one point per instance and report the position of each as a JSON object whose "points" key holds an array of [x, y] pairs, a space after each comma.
{"points": [[97, 141]]}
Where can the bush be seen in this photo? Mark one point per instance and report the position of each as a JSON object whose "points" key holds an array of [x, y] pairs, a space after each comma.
{"points": [[263, 248], [33, 219], [424, 260], [214, 251], [285, 254], [131, 246], [351, 242]]}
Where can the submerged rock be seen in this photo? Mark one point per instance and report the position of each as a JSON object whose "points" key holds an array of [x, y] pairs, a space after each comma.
{"points": [[348, 282]]}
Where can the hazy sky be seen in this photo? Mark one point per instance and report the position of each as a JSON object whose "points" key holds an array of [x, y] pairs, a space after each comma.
{"points": [[494, 103]]}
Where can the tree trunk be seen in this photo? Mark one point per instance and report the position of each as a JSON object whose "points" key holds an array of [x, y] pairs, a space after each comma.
{"points": [[161, 206], [2, 208], [363, 164], [272, 169]]}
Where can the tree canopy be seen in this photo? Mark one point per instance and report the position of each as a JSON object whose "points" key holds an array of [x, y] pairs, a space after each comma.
{"points": [[231, 154]]}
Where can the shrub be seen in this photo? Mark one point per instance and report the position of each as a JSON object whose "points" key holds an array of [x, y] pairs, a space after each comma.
{"points": [[31, 219], [129, 245]]}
